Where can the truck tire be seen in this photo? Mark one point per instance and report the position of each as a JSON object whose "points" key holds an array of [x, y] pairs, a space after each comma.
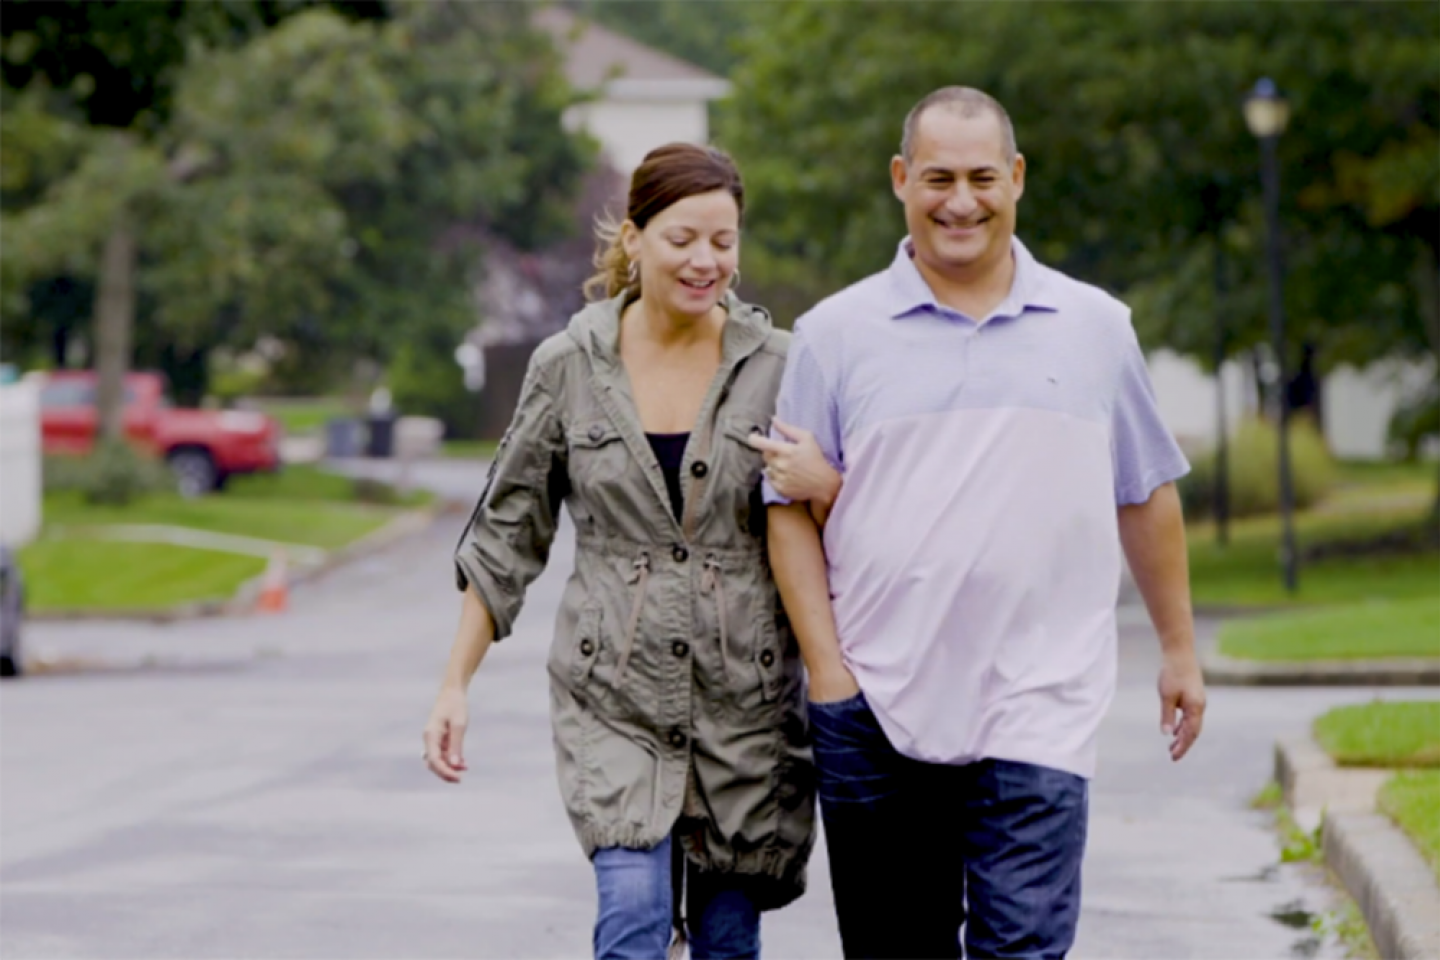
{"points": [[194, 469]]}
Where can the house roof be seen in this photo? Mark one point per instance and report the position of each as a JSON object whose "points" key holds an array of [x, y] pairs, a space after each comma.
{"points": [[599, 59]]}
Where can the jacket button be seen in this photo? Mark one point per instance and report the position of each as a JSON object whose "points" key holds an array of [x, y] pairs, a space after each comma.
{"points": [[596, 432], [680, 553], [698, 469], [587, 647], [767, 658], [677, 739], [681, 648]]}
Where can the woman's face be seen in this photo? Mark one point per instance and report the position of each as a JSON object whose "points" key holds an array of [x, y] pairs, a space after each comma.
{"points": [[687, 253]]}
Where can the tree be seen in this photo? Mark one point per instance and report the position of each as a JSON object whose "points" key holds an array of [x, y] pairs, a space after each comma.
{"points": [[100, 79], [1139, 164], [702, 32], [320, 183]]}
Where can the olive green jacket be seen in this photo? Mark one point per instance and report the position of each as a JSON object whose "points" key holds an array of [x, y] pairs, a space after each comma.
{"points": [[675, 682]]}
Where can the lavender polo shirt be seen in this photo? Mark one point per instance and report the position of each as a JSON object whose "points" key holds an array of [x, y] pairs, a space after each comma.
{"points": [[974, 552]]}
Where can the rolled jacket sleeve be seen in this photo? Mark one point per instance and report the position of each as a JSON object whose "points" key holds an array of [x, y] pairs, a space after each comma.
{"points": [[507, 542]]}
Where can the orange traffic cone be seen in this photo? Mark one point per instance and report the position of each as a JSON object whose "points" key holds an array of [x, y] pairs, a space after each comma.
{"points": [[274, 593]]}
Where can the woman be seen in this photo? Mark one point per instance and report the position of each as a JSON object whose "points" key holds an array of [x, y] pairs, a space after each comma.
{"points": [[676, 691]]}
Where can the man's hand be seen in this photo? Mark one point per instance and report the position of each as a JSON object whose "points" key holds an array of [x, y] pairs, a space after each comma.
{"points": [[833, 685], [1182, 691]]}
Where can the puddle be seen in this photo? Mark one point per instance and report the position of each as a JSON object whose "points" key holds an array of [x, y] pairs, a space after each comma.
{"points": [[1265, 875], [1293, 915]]}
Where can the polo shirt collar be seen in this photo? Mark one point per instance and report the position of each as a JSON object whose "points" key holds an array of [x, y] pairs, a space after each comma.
{"points": [[911, 293]]}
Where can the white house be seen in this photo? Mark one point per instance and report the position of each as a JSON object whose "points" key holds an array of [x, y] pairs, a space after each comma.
{"points": [[1356, 404], [642, 97]]}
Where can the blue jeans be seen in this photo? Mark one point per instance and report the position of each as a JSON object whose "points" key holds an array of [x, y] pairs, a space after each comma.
{"points": [[636, 904], [915, 845]]}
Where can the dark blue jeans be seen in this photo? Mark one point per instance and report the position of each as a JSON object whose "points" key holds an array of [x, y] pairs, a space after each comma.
{"points": [[918, 849]]}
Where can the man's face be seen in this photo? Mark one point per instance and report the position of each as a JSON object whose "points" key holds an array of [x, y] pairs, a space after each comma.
{"points": [[959, 190]]}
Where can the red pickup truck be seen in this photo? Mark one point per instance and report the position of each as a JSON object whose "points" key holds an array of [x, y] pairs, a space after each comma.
{"points": [[203, 447]]}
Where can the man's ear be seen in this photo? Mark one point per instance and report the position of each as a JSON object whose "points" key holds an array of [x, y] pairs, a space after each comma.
{"points": [[899, 176], [1017, 175]]}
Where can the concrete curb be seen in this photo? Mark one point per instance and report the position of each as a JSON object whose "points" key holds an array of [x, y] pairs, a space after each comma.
{"points": [[1377, 864], [1393, 885], [1221, 670], [404, 525]]}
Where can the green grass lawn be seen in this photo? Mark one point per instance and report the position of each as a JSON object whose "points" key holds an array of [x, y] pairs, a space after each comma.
{"points": [[469, 449], [309, 522], [128, 576], [1383, 628], [1382, 734], [304, 415], [70, 568], [1246, 572], [1412, 800]]}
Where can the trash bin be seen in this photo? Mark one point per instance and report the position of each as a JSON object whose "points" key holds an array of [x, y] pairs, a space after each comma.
{"points": [[382, 435], [342, 437]]}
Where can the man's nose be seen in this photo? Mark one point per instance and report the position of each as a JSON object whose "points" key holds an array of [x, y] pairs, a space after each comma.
{"points": [[961, 202]]}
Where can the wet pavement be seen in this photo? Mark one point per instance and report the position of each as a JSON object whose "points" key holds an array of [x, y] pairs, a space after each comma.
{"points": [[253, 788]]}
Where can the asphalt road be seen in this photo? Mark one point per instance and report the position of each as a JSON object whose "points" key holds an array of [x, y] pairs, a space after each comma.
{"points": [[253, 788]]}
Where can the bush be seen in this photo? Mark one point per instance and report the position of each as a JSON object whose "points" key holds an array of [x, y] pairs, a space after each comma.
{"points": [[114, 473], [1417, 421], [426, 382], [1254, 471]]}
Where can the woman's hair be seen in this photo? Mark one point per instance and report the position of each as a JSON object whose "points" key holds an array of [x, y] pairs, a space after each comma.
{"points": [[668, 175]]}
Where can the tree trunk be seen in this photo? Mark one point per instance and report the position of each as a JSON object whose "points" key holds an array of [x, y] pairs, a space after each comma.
{"points": [[1427, 289], [114, 323]]}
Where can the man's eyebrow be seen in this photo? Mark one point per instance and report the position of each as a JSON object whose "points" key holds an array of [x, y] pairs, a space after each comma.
{"points": [[933, 171]]}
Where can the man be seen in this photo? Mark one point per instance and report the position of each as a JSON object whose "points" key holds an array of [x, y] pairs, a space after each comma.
{"points": [[1000, 445]]}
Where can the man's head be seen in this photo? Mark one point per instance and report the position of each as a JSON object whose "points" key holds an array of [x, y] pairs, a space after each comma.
{"points": [[960, 178]]}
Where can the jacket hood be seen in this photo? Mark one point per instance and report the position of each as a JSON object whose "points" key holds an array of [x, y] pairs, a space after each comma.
{"points": [[596, 328]]}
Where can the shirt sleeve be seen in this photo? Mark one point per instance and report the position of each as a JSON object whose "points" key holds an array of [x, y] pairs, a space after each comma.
{"points": [[1145, 453], [806, 400]]}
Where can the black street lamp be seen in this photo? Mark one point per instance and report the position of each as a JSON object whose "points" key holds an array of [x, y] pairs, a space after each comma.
{"points": [[1266, 114]]}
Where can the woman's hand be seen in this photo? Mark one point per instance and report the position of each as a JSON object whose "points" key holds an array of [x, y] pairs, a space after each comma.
{"points": [[445, 735], [796, 466]]}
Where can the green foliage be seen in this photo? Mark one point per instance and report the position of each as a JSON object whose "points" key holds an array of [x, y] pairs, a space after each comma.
{"points": [[702, 32], [113, 474], [1253, 472], [428, 382], [1139, 162], [1417, 421], [98, 575], [1382, 734], [326, 183]]}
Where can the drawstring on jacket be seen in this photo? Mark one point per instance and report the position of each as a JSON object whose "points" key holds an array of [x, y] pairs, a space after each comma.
{"points": [[639, 575], [712, 582]]}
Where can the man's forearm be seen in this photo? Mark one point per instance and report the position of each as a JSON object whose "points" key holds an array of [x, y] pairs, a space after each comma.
{"points": [[1153, 537], [797, 558]]}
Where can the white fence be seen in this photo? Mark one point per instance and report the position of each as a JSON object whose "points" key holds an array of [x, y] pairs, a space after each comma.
{"points": [[19, 462]]}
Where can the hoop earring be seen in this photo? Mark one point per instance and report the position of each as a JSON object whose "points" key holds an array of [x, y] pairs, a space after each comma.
{"points": [[633, 274], [734, 280]]}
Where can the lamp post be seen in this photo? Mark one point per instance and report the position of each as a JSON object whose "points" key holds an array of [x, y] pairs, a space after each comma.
{"points": [[1266, 114]]}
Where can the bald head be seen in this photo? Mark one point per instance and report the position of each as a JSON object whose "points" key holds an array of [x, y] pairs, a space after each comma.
{"points": [[965, 102]]}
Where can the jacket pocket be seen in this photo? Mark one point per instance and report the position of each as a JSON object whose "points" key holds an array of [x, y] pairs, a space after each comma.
{"points": [[597, 453], [744, 461], [586, 648]]}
